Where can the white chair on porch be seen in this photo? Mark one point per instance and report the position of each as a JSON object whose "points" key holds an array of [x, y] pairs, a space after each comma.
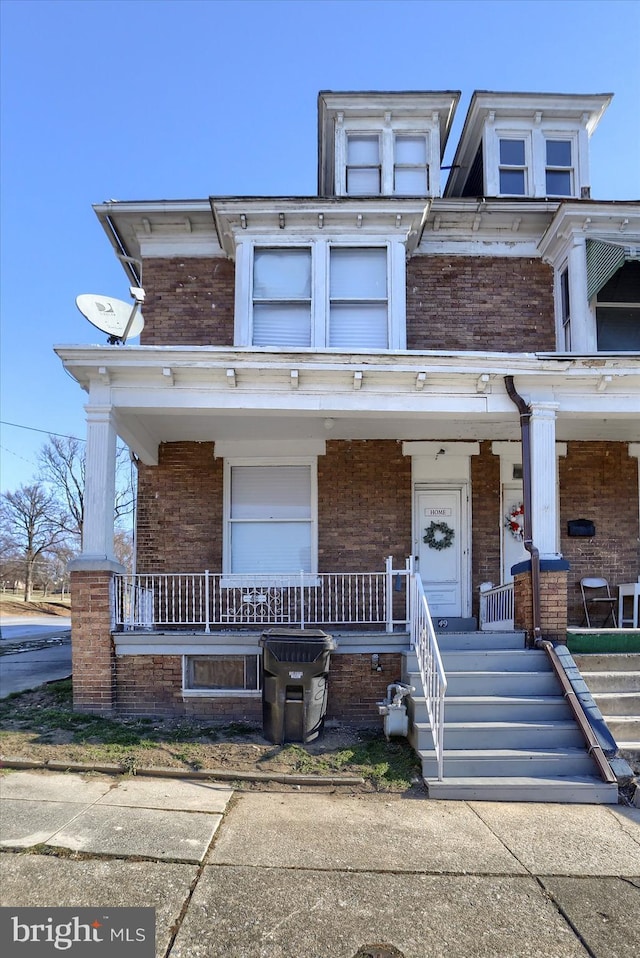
{"points": [[597, 594]]}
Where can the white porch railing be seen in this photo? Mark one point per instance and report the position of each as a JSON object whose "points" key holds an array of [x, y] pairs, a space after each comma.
{"points": [[496, 608], [434, 680], [209, 600]]}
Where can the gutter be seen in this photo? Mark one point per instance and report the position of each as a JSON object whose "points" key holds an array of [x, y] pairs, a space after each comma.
{"points": [[525, 420]]}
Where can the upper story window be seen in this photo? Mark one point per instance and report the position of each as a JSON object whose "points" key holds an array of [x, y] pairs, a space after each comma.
{"points": [[321, 295], [533, 162], [358, 313], [386, 163], [618, 310], [282, 297], [411, 169], [364, 169], [559, 168], [513, 166], [565, 310]]}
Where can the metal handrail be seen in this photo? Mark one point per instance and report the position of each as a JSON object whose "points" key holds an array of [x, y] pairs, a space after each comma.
{"points": [[434, 680]]}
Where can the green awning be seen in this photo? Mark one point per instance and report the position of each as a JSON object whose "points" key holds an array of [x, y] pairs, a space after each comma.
{"points": [[603, 260]]}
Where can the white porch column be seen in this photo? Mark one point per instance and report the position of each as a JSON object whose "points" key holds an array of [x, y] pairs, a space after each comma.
{"points": [[583, 338], [544, 479], [100, 484]]}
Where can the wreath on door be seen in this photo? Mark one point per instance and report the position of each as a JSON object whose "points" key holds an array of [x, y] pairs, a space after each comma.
{"points": [[438, 536], [514, 521]]}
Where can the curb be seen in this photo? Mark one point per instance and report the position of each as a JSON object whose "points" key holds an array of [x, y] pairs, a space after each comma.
{"points": [[222, 775]]}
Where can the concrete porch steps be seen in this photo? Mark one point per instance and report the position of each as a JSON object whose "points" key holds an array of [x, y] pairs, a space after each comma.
{"points": [[614, 682], [509, 734]]}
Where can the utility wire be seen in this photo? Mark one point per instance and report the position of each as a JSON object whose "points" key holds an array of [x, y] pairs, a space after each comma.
{"points": [[46, 432]]}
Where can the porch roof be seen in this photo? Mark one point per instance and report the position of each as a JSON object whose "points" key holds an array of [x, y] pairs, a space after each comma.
{"points": [[166, 393]]}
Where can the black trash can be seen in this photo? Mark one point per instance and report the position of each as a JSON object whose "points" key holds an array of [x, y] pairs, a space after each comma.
{"points": [[295, 670]]}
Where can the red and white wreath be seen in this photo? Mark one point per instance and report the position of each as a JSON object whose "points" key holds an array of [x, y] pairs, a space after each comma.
{"points": [[514, 521]]}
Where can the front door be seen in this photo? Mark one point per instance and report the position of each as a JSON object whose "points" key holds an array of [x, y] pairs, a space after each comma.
{"points": [[441, 558], [513, 550]]}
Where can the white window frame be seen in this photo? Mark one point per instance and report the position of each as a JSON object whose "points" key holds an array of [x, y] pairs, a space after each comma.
{"points": [[564, 330], [521, 137], [535, 134], [422, 167], [189, 692], [266, 578], [387, 129], [364, 134], [572, 139], [320, 302]]}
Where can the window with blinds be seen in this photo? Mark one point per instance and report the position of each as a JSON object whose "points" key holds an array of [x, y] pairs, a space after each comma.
{"points": [[363, 165], [285, 315], [270, 519], [282, 297], [358, 298]]}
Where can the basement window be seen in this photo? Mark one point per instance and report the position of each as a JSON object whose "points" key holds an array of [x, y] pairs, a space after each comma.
{"points": [[221, 674]]}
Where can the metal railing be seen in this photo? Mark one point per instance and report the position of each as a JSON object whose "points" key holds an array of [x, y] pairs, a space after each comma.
{"points": [[207, 600], [496, 608], [434, 680]]}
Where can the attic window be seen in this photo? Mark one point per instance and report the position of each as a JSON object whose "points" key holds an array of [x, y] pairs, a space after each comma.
{"points": [[559, 168], [363, 165], [513, 167]]}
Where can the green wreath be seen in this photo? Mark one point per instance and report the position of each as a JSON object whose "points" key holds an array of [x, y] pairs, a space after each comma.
{"points": [[438, 536]]}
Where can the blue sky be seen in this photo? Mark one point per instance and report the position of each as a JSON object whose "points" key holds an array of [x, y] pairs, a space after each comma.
{"points": [[156, 99]]}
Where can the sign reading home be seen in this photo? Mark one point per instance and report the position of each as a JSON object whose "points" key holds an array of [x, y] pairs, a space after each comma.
{"points": [[83, 932], [438, 512]]}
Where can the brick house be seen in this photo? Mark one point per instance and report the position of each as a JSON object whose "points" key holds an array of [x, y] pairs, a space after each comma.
{"points": [[321, 385]]}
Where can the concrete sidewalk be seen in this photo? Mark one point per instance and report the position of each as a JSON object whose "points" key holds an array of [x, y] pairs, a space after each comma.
{"points": [[322, 875]]}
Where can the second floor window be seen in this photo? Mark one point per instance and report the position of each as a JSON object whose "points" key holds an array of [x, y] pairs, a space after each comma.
{"points": [[319, 296], [282, 297], [364, 170]]}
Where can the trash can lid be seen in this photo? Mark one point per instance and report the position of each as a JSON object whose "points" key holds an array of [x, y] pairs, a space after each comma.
{"points": [[315, 637]]}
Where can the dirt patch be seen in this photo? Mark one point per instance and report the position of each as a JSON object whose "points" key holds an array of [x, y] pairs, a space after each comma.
{"points": [[14, 605], [41, 726]]}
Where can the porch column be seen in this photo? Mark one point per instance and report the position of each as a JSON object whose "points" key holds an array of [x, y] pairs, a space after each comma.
{"points": [[92, 573], [100, 484], [544, 479]]}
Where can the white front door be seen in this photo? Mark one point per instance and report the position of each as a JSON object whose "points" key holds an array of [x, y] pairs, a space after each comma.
{"points": [[441, 559]]}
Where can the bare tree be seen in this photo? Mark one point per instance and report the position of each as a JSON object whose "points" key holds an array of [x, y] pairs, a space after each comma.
{"points": [[31, 519], [62, 464]]}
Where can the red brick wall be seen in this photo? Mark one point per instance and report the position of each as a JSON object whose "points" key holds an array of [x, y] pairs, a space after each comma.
{"points": [[92, 649], [355, 690], [599, 481], [364, 494], [364, 491], [189, 302], [479, 303], [179, 526], [152, 685], [485, 498], [553, 605]]}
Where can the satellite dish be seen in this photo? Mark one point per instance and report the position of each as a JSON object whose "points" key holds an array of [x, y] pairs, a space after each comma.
{"points": [[113, 316]]}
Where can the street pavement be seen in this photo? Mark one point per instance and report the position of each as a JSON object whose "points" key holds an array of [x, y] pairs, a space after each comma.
{"points": [[33, 650], [322, 874]]}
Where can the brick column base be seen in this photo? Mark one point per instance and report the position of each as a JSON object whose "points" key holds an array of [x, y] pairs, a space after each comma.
{"points": [[553, 602], [92, 648]]}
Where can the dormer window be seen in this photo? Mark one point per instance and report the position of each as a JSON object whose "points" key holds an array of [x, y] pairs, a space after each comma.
{"points": [[383, 144], [513, 167], [386, 163], [411, 170], [364, 169], [559, 168]]}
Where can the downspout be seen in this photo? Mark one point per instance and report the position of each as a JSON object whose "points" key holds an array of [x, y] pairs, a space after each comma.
{"points": [[525, 432]]}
